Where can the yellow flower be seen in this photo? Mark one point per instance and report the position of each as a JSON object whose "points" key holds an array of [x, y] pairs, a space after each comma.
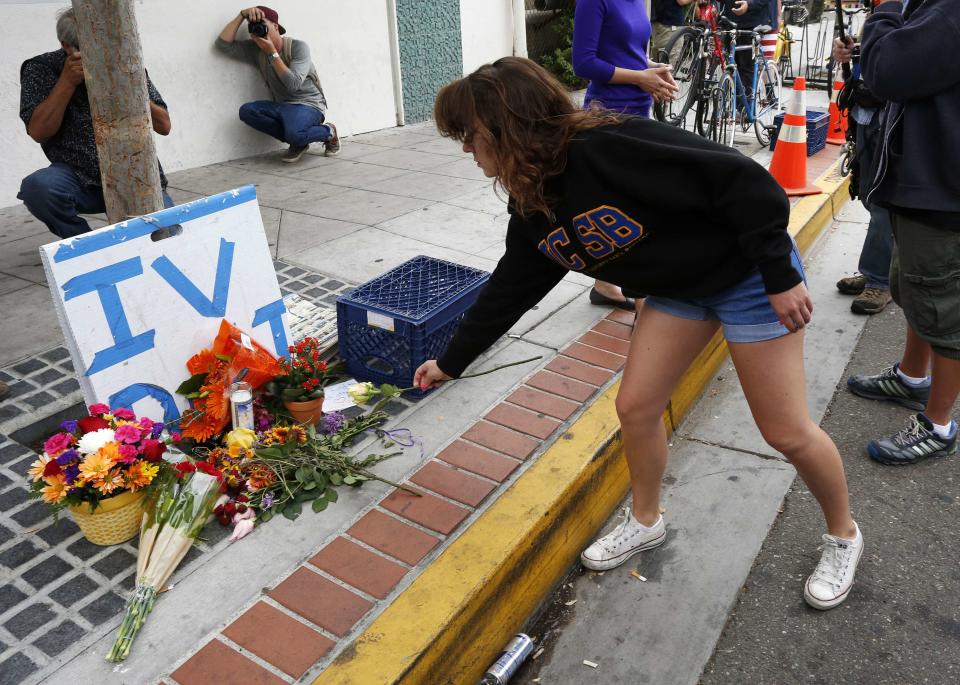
{"points": [[97, 465], [240, 437], [361, 393], [37, 467], [55, 490]]}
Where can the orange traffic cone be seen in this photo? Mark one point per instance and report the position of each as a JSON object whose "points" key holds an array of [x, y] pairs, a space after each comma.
{"points": [[789, 163], [837, 129]]}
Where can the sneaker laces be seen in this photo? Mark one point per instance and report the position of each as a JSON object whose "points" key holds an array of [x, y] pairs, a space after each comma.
{"points": [[607, 540], [911, 433], [833, 562]]}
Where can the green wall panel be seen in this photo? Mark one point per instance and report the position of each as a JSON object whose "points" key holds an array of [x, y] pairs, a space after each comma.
{"points": [[431, 53]]}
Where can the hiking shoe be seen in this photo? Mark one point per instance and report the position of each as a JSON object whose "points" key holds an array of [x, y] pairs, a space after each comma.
{"points": [[915, 442], [332, 146], [830, 582], [294, 153], [628, 538], [852, 285], [887, 385], [871, 301]]}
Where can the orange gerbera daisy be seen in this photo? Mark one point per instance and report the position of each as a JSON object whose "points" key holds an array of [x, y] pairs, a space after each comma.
{"points": [[97, 466], [141, 474], [55, 490], [259, 477], [111, 482], [204, 361]]}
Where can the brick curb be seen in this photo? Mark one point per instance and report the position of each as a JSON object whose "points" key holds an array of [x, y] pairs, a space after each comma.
{"points": [[452, 619]]}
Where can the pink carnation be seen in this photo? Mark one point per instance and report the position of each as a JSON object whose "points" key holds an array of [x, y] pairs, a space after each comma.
{"points": [[98, 409], [145, 424], [124, 414], [57, 444], [127, 433], [128, 453]]}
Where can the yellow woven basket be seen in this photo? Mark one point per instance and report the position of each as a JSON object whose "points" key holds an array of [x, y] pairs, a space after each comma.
{"points": [[116, 520]]}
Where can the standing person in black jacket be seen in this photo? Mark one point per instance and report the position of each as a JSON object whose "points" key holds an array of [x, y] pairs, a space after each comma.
{"points": [[902, 62], [653, 208]]}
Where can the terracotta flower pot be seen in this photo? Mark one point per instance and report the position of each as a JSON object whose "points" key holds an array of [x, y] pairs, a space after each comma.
{"points": [[115, 520], [308, 412]]}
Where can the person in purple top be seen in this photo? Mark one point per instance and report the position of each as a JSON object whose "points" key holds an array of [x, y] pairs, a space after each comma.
{"points": [[610, 50]]}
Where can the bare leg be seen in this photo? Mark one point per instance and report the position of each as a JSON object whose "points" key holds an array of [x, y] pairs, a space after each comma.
{"points": [[916, 355], [944, 389], [772, 377], [662, 348]]}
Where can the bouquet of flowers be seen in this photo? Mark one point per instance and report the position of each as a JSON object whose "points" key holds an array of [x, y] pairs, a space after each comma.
{"points": [[177, 513], [303, 375], [212, 371], [104, 454]]}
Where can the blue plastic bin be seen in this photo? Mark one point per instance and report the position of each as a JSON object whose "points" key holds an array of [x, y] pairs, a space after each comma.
{"points": [[389, 326], [817, 124]]}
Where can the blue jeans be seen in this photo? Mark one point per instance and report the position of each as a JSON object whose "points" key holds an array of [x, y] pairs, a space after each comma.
{"points": [[296, 125], [57, 197], [744, 310], [878, 245]]}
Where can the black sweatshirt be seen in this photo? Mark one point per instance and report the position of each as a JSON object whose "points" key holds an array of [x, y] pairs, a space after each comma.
{"points": [[648, 207]]}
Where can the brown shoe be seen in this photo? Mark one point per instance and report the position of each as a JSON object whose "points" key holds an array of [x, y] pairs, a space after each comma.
{"points": [[871, 301], [852, 285], [4, 390]]}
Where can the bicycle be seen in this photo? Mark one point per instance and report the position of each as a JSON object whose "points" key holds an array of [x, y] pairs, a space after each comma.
{"points": [[762, 107], [696, 64]]}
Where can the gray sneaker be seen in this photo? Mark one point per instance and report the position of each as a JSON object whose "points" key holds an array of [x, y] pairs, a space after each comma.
{"points": [[871, 301], [293, 154], [887, 385], [332, 146]]}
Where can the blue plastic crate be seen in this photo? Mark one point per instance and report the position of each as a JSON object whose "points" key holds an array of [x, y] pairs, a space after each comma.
{"points": [[389, 326], [817, 124]]}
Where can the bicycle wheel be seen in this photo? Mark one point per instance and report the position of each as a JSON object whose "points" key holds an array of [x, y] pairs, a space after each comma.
{"points": [[767, 101], [706, 97], [684, 54], [724, 120]]}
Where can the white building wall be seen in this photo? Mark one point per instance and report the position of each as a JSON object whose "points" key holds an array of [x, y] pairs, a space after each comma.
{"points": [[487, 28], [348, 39]]}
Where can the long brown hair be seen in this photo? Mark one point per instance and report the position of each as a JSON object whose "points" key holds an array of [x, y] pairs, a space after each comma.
{"points": [[525, 116]]}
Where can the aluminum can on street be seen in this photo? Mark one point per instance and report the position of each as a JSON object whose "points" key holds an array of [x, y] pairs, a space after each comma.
{"points": [[514, 654]]}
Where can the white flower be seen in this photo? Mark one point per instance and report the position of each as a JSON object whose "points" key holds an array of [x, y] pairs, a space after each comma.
{"points": [[242, 529], [93, 441]]}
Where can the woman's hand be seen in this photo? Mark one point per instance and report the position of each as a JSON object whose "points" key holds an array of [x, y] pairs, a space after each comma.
{"points": [[657, 80], [793, 307], [429, 375]]}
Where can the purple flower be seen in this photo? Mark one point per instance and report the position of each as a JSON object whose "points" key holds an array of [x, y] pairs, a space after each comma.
{"points": [[332, 422], [67, 457], [71, 473], [157, 430], [267, 501], [69, 426]]}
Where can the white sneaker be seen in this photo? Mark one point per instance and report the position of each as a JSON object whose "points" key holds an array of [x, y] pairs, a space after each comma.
{"points": [[629, 537], [830, 583]]}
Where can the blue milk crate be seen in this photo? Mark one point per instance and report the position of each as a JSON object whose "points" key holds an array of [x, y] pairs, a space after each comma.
{"points": [[817, 124], [389, 326]]}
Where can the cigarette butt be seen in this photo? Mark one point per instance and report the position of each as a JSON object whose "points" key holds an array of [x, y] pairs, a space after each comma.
{"points": [[590, 664], [636, 575], [536, 654], [535, 680], [570, 603], [662, 510]]}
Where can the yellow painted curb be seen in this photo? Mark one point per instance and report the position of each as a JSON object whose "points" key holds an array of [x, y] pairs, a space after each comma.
{"points": [[450, 623]]}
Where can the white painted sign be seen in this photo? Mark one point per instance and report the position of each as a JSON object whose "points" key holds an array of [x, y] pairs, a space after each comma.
{"points": [[134, 305]]}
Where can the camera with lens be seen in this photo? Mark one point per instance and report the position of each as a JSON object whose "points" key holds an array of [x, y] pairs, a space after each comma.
{"points": [[258, 28]]}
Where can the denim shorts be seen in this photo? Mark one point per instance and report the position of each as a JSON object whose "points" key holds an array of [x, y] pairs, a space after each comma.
{"points": [[744, 309]]}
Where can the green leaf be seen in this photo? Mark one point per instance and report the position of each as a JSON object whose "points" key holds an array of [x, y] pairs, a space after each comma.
{"points": [[192, 384], [336, 478], [349, 480], [304, 475], [319, 505], [293, 511], [273, 452], [309, 486], [266, 516], [388, 390], [291, 393], [331, 495]]}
